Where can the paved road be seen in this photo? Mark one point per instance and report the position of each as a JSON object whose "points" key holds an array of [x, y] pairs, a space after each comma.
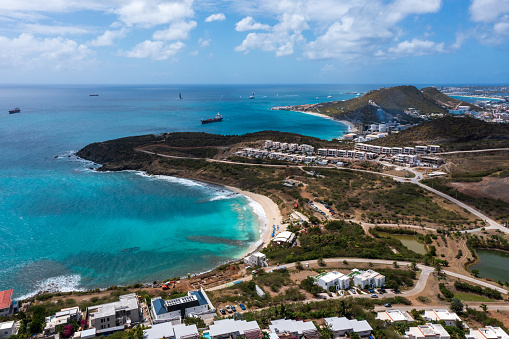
{"points": [[418, 288], [491, 307], [476, 151]]}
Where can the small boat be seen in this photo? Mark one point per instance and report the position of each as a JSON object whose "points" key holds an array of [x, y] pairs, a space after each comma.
{"points": [[180, 96], [329, 96], [94, 95], [15, 110], [252, 96], [217, 118]]}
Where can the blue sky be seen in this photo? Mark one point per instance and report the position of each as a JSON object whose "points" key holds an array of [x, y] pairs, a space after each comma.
{"points": [[254, 41]]}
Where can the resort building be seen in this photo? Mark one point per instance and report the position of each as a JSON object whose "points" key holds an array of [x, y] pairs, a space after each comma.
{"points": [[115, 316], [332, 279], [488, 332], [342, 326], [444, 315], [7, 329], [257, 259], [428, 331], [61, 318], [7, 305], [284, 238], [229, 328], [369, 278], [394, 316], [170, 331], [285, 328], [85, 334], [196, 304]]}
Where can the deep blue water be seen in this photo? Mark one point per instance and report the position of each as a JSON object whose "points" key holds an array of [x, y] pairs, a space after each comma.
{"points": [[63, 226]]}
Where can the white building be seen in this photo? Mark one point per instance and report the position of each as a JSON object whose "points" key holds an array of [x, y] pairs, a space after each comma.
{"points": [[294, 328], [7, 329], [322, 152], [170, 331], [195, 304], [367, 278], [268, 143], [61, 318], [394, 316], [488, 332], [421, 149], [229, 328], [434, 149], [306, 148], [428, 331], [342, 326], [449, 318], [333, 279], [284, 238], [256, 259], [292, 147], [115, 316]]}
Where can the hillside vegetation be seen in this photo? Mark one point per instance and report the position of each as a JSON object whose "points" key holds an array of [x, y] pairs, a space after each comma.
{"points": [[453, 133], [392, 101], [445, 100]]}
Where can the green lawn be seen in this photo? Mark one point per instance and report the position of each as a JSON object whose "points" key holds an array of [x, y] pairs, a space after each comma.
{"points": [[472, 297]]}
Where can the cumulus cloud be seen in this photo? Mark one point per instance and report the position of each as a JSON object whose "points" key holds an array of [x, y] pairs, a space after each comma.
{"points": [[416, 47], [249, 24], [156, 12], [177, 31], [156, 50], [54, 30], [204, 42], [493, 19], [53, 53], [346, 29], [109, 37], [216, 17], [488, 10]]}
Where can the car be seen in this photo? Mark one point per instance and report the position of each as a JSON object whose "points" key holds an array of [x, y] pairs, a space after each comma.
{"points": [[233, 308], [242, 307], [388, 305], [228, 309], [222, 311], [374, 296]]}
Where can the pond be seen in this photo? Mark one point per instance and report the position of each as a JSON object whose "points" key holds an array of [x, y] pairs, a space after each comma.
{"points": [[410, 242], [493, 265]]}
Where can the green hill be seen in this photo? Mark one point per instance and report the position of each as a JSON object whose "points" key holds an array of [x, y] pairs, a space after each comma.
{"points": [[445, 100], [454, 133], [378, 105]]}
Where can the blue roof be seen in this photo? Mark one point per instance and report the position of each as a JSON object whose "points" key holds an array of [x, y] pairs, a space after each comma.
{"points": [[159, 306], [201, 298]]}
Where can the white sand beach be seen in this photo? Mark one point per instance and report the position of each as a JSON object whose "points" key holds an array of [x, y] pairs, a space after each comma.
{"points": [[351, 126]]}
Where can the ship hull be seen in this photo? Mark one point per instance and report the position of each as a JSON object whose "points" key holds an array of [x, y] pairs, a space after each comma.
{"points": [[208, 121]]}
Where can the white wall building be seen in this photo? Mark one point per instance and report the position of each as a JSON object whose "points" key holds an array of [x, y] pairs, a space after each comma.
{"points": [[295, 328], [229, 328], [7, 329], [115, 316], [256, 259], [394, 316], [284, 237], [488, 332], [428, 331], [333, 279], [449, 318], [368, 278], [170, 331], [195, 304], [342, 326], [61, 318]]}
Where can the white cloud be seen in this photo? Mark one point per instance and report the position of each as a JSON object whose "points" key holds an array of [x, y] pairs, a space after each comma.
{"points": [[488, 10], [109, 37], [53, 53], [156, 50], [154, 12], [54, 30], [328, 68], [53, 5], [249, 24], [416, 47], [177, 31], [216, 17], [204, 42]]}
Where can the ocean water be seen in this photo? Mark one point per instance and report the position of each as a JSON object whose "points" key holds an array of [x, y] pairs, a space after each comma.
{"points": [[65, 227]]}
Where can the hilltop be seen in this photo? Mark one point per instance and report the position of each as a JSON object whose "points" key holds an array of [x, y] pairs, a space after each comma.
{"points": [[446, 100], [454, 133], [379, 105]]}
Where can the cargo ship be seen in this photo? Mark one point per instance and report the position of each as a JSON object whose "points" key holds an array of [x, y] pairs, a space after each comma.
{"points": [[15, 110], [217, 118]]}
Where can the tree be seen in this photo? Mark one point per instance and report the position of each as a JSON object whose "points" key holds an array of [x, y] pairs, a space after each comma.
{"points": [[438, 269], [298, 266], [395, 264], [196, 321], [413, 266], [484, 307], [354, 335], [456, 305], [321, 262], [475, 272], [325, 332], [345, 262]]}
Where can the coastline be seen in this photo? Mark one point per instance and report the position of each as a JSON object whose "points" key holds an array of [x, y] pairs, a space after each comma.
{"points": [[350, 125], [272, 217]]}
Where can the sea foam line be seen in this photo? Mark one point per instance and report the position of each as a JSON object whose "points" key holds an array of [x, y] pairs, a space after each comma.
{"points": [[62, 283]]}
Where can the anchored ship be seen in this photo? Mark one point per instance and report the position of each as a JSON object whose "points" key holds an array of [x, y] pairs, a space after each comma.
{"points": [[15, 110], [217, 118]]}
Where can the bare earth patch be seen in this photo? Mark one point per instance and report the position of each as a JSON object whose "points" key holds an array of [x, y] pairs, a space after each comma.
{"points": [[489, 187]]}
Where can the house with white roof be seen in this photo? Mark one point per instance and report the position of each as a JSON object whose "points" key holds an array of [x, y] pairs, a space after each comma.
{"points": [[367, 278], [7, 329], [293, 328], [284, 238], [343, 325], [428, 331], [394, 316], [229, 328], [115, 316], [256, 259], [196, 304], [85, 334], [444, 315], [170, 331], [61, 318], [488, 332], [332, 279]]}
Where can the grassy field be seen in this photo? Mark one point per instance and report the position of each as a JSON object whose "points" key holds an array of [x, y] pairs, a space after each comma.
{"points": [[472, 297]]}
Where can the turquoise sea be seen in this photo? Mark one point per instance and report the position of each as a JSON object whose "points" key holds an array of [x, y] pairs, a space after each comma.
{"points": [[65, 227]]}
